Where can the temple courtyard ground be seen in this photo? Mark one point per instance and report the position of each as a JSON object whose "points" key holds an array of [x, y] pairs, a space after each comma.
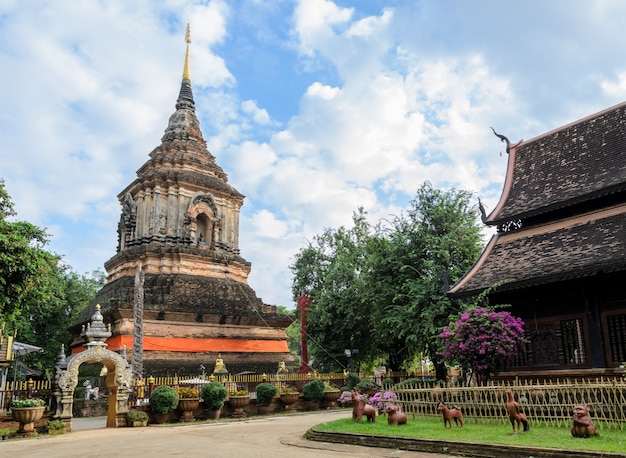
{"points": [[271, 437]]}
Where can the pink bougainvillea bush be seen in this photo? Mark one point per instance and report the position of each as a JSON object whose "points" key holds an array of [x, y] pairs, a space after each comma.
{"points": [[481, 339], [382, 399]]}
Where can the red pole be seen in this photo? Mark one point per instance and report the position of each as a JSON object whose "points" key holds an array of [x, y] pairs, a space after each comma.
{"points": [[303, 304]]}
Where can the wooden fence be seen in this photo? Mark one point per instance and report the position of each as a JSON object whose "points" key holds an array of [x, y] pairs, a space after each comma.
{"points": [[550, 404], [234, 383], [19, 389]]}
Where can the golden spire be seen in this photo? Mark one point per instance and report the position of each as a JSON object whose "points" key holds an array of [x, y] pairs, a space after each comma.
{"points": [[186, 73]]}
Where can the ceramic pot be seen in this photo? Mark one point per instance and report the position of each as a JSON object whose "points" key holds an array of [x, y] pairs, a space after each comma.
{"points": [[213, 414], [27, 416], [187, 406], [288, 399]]}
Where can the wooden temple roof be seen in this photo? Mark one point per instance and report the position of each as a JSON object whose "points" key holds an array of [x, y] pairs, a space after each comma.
{"points": [[570, 165], [566, 192], [574, 248]]}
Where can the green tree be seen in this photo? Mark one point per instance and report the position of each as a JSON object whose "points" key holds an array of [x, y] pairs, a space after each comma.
{"points": [[433, 244], [329, 270], [39, 294], [381, 289], [23, 261], [51, 309]]}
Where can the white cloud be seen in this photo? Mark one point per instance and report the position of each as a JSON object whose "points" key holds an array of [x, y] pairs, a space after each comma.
{"points": [[374, 102], [259, 115], [615, 87]]}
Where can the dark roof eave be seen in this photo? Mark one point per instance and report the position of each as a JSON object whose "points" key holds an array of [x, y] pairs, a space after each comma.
{"points": [[532, 282], [560, 205]]}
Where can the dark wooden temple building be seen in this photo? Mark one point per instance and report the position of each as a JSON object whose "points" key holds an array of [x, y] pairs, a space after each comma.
{"points": [[178, 260], [559, 254]]}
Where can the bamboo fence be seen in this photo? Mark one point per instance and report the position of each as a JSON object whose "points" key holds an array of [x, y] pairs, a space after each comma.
{"points": [[550, 404]]}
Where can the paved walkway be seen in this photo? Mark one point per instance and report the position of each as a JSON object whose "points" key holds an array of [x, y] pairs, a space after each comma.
{"points": [[262, 437]]}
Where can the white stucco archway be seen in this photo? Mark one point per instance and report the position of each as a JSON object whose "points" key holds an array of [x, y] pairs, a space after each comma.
{"points": [[118, 381]]}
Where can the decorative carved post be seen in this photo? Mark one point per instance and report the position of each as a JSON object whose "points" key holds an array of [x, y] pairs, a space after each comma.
{"points": [[303, 304], [137, 356]]}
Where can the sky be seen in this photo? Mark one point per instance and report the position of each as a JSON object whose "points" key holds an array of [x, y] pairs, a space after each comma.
{"points": [[313, 108]]}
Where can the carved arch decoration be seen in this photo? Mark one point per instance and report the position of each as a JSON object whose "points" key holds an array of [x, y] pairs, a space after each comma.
{"points": [[118, 381], [128, 222], [205, 223], [196, 204]]}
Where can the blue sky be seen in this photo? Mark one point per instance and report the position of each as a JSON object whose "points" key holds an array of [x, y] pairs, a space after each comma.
{"points": [[312, 107]]}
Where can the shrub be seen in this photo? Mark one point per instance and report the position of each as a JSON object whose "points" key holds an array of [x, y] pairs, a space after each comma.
{"points": [[265, 393], [55, 425], [313, 391], [383, 399], [480, 338], [366, 385], [345, 397], [353, 381], [163, 399], [136, 415], [213, 395], [410, 383]]}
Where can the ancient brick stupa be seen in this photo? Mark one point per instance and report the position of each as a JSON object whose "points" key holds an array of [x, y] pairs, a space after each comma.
{"points": [[178, 260]]}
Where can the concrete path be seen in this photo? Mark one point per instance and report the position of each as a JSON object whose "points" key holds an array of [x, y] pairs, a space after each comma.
{"points": [[262, 437]]}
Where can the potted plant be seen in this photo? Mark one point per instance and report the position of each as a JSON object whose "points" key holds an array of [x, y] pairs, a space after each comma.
{"points": [[213, 395], [265, 393], [238, 401], [55, 427], [163, 400], [313, 393], [188, 401], [331, 393], [367, 386], [289, 395], [27, 412], [135, 418]]}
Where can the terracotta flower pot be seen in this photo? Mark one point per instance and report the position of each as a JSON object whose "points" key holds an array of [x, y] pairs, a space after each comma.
{"points": [[27, 416], [288, 399], [213, 414], [330, 398], [263, 410], [160, 418], [238, 403], [311, 405], [187, 406]]}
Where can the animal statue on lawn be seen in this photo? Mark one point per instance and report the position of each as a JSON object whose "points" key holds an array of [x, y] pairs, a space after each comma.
{"points": [[90, 393], [360, 408], [449, 414], [582, 426], [515, 416], [394, 416]]}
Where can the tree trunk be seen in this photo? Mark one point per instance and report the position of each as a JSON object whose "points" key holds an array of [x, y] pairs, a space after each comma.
{"points": [[441, 371]]}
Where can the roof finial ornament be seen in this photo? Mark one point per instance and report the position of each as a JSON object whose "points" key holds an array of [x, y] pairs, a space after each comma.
{"points": [[503, 139], [483, 213], [186, 72]]}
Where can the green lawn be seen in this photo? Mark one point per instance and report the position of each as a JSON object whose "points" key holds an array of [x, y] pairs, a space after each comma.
{"points": [[493, 433]]}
